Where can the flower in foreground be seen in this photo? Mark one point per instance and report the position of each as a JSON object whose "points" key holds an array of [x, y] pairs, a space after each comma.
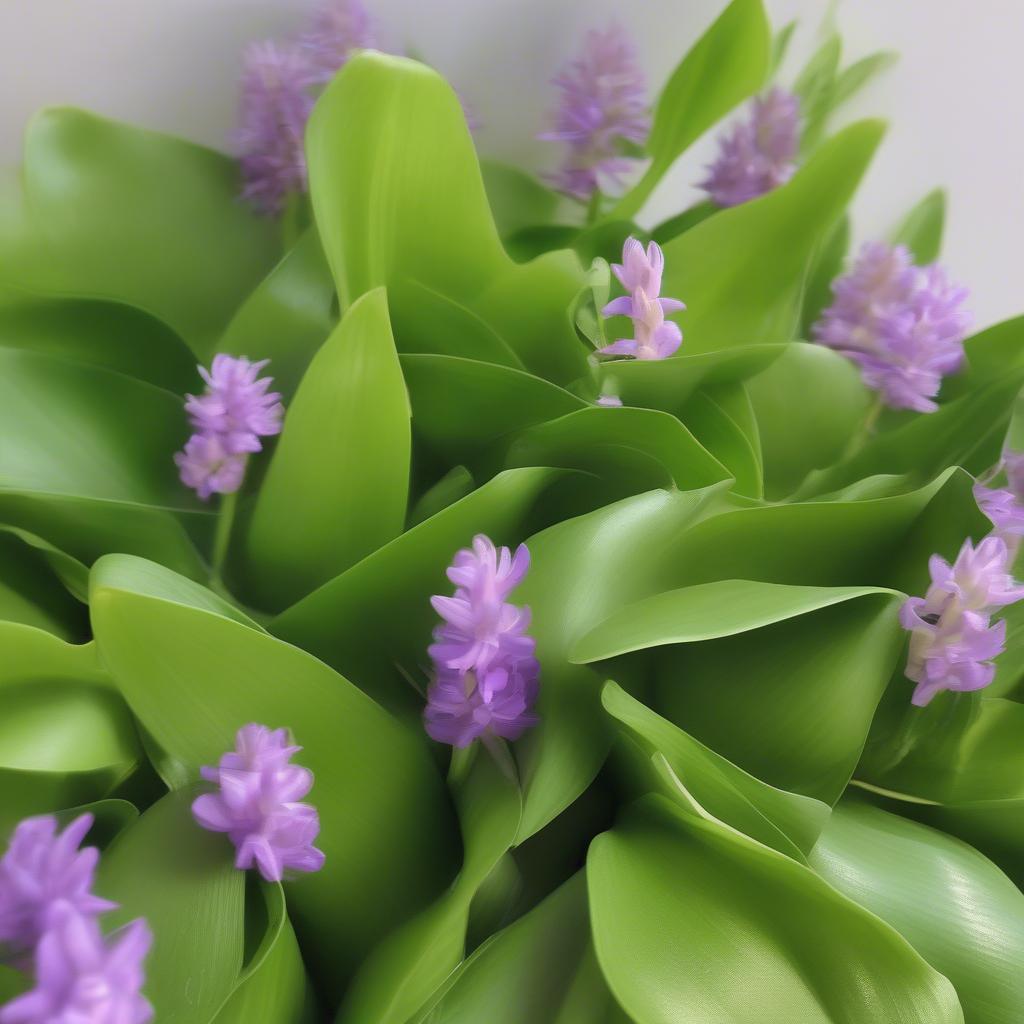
{"points": [[603, 109], [952, 640], [640, 272], [233, 413], [275, 106], [759, 154], [258, 806], [1004, 506], [81, 978], [43, 871], [486, 676], [903, 325], [338, 28]]}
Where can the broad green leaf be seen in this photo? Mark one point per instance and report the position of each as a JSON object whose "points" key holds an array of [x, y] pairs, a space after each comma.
{"points": [[722, 420], [750, 292], [827, 266], [991, 355], [585, 439], [388, 845], [694, 923], [921, 230], [287, 317], [681, 222], [182, 880], [852, 79], [30, 592], [65, 737], [967, 431], [337, 486], [787, 822], [808, 404], [581, 571], [120, 213], [273, 987], [540, 969], [667, 384], [517, 199], [106, 334], [455, 485], [815, 87], [798, 724], [406, 969], [960, 912], [728, 63], [494, 401], [429, 221], [378, 614]]}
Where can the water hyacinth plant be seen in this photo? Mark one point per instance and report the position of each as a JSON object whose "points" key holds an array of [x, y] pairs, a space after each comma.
{"points": [[442, 595]]}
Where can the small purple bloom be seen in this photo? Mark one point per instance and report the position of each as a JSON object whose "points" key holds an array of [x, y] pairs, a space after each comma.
{"points": [[276, 103], [609, 401], [42, 871], [952, 641], [759, 154], [238, 405], [258, 804], [1004, 506], [603, 106], [903, 325], [643, 270], [82, 978], [486, 677], [338, 28], [208, 468], [654, 336]]}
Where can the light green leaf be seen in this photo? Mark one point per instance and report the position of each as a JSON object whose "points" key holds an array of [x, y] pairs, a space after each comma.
{"points": [[921, 230], [960, 912], [517, 199], [816, 87], [695, 923], [455, 485], [127, 215], [991, 355], [827, 266], [387, 848], [337, 485], [722, 420], [750, 292], [780, 45], [728, 63], [853, 78]]}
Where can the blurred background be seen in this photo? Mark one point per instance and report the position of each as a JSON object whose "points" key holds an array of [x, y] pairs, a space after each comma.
{"points": [[955, 101]]}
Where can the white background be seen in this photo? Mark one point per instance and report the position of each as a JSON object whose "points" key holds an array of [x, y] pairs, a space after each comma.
{"points": [[955, 101]]}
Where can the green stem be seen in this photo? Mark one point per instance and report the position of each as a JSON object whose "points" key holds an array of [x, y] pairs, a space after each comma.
{"points": [[861, 437], [594, 207], [461, 762], [291, 220], [222, 538]]}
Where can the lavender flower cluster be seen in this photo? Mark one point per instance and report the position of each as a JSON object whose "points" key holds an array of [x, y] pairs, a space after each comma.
{"points": [[1004, 506], [49, 916], [903, 325], [229, 418], [486, 674], [258, 804]]}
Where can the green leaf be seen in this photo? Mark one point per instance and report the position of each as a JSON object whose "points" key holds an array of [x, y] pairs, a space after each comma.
{"points": [[798, 724], [31, 594], [750, 292], [681, 222], [728, 63], [517, 199], [780, 45], [68, 569], [406, 969], [921, 230], [799, 436], [105, 334], [784, 821], [181, 879], [287, 317], [455, 485], [378, 614], [853, 78], [694, 922], [388, 848], [123, 214], [991, 355], [828, 265], [345, 450], [816, 87], [972, 930]]}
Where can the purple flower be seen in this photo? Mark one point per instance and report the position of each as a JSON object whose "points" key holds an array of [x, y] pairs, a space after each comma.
{"points": [[952, 641], [208, 468], [643, 270], [603, 106], [276, 103], [338, 28], [257, 804], [41, 872], [759, 154], [609, 401], [82, 979], [238, 405], [1004, 506], [486, 677], [903, 325], [654, 336]]}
